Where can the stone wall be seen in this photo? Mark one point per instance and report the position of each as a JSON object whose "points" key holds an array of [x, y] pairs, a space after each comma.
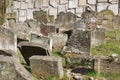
{"points": [[53, 7]]}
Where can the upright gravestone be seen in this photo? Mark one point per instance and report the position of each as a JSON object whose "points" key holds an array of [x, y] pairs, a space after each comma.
{"points": [[21, 30], [58, 41], [79, 43], [97, 36], [8, 40]]}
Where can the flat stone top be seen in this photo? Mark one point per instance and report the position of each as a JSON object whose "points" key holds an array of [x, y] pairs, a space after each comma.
{"points": [[46, 58]]}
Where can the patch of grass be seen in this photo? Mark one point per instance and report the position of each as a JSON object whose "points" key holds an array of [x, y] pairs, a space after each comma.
{"points": [[92, 73], [111, 45], [111, 76], [58, 54], [22, 60]]}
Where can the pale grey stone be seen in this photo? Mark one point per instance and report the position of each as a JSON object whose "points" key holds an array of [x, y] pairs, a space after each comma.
{"points": [[58, 41], [42, 40], [11, 68], [46, 66], [79, 43], [8, 40]]}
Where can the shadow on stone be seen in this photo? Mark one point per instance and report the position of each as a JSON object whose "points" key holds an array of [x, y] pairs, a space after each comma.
{"points": [[28, 51], [82, 71]]}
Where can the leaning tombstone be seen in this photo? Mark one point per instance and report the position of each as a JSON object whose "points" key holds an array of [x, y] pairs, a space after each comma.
{"points": [[8, 40], [58, 41]]}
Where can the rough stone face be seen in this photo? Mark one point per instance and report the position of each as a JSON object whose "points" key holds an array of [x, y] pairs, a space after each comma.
{"points": [[107, 65], [40, 16], [58, 41], [46, 29], [64, 19], [11, 69], [79, 42], [34, 26], [44, 41], [97, 36], [29, 49], [46, 66], [72, 61], [21, 30], [8, 40]]}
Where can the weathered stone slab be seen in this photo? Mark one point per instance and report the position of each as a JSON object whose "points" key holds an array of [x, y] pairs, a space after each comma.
{"points": [[29, 49], [62, 8], [8, 40], [107, 65], [53, 3], [73, 59], [34, 26], [16, 12], [16, 5], [53, 11], [40, 16], [91, 1], [114, 8], [23, 5], [11, 68], [58, 41], [102, 0], [97, 36], [80, 10], [45, 3], [71, 10], [30, 13], [42, 40], [79, 42], [82, 2], [30, 4], [46, 66], [11, 23], [73, 3], [38, 3], [113, 1], [46, 29], [65, 18], [63, 1], [80, 24], [8, 10], [22, 13], [21, 30], [101, 6]]}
